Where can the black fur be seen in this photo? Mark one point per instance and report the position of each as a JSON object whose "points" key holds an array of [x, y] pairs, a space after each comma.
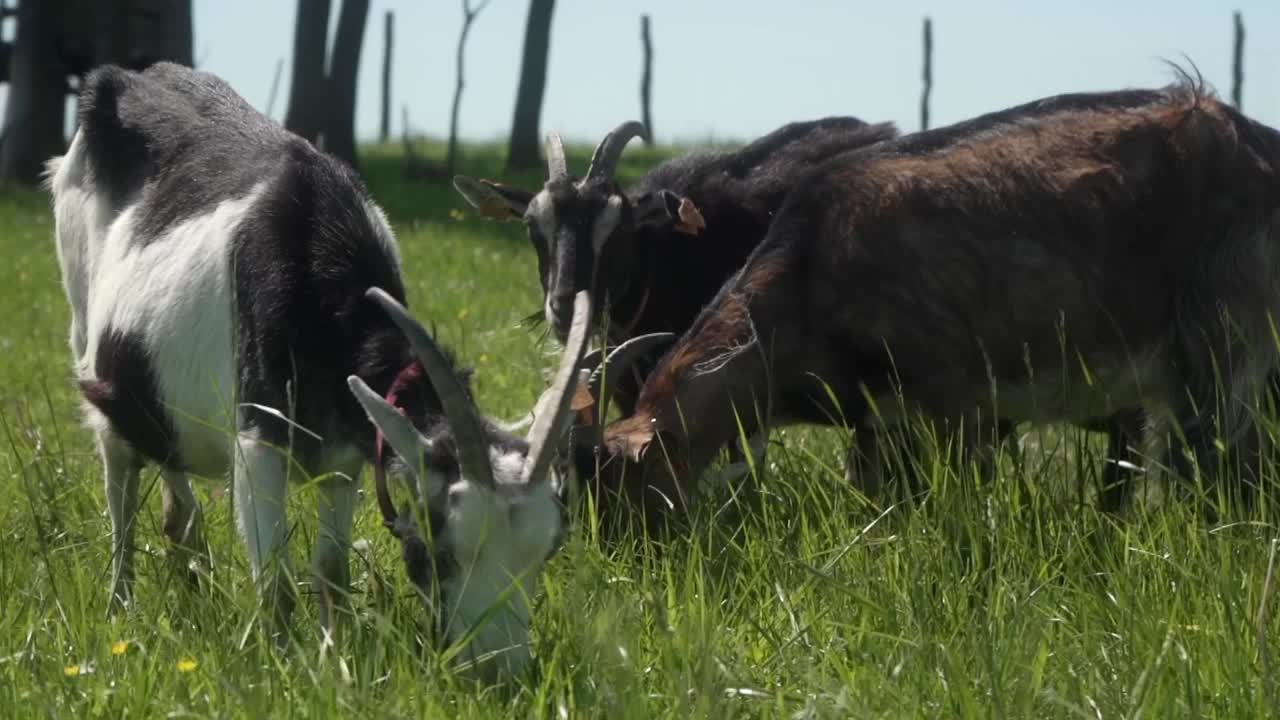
{"points": [[654, 277], [126, 392], [174, 143], [737, 193], [177, 142], [920, 143], [1095, 225], [170, 144]]}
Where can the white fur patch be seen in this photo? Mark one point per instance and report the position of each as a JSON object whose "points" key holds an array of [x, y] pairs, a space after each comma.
{"points": [[499, 548], [382, 228], [175, 292], [506, 466], [82, 217], [543, 212], [606, 222]]}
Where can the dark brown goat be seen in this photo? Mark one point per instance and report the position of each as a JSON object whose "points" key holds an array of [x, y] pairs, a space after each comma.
{"points": [[660, 254], [1064, 260]]}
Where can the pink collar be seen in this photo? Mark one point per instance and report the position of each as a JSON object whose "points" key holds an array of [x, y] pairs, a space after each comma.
{"points": [[409, 374]]}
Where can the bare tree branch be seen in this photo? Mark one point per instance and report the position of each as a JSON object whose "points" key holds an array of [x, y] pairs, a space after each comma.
{"points": [[275, 87], [469, 14]]}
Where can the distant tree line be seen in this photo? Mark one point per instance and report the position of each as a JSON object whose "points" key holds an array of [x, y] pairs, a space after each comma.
{"points": [[58, 41], [322, 95], [55, 43]]}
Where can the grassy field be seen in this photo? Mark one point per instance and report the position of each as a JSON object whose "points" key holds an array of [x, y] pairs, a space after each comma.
{"points": [[799, 601]]}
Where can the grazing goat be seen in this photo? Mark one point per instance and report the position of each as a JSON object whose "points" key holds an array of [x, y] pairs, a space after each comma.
{"points": [[1065, 260], [657, 279], [237, 305], [658, 252]]}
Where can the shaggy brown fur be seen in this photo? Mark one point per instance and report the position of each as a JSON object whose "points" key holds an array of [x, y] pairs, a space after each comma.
{"points": [[1064, 260]]}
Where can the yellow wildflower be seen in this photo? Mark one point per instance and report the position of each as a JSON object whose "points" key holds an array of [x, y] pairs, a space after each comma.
{"points": [[120, 647], [186, 665]]}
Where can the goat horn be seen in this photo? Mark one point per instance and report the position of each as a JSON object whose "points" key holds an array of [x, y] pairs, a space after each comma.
{"points": [[473, 446], [557, 168], [607, 370], [605, 159], [370, 401], [557, 406]]}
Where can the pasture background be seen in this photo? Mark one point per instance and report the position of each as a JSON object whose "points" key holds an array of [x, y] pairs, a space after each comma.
{"points": [[792, 600]]}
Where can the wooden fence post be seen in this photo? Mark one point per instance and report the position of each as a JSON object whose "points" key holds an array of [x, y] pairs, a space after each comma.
{"points": [[928, 74], [646, 78], [1237, 65], [388, 37]]}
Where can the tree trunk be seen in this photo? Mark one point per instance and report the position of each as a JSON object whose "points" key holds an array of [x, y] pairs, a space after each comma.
{"points": [[181, 34], [36, 109], [522, 151], [305, 115], [344, 67]]}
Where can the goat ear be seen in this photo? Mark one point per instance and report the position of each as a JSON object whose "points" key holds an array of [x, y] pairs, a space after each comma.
{"points": [[667, 209], [493, 200], [401, 435]]}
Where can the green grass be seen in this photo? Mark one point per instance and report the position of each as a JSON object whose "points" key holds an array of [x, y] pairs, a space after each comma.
{"points": [[801, 601]]}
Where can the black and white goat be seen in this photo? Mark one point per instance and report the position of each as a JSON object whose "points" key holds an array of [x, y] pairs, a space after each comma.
{"points": [[237, 305], [1064, 260], [656, 253]]}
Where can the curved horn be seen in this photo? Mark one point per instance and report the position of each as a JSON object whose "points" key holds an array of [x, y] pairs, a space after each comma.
{"points": [[379, 413], [557, 168], [619, 361], [540, 440], [605, 159], [473, 445]]}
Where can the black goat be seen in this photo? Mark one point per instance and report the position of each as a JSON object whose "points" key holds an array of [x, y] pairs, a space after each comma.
{"points": [[658, 252], [1065, 260]]}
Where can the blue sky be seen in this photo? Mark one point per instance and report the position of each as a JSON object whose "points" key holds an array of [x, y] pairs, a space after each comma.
{"points": [[735, 69]]}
